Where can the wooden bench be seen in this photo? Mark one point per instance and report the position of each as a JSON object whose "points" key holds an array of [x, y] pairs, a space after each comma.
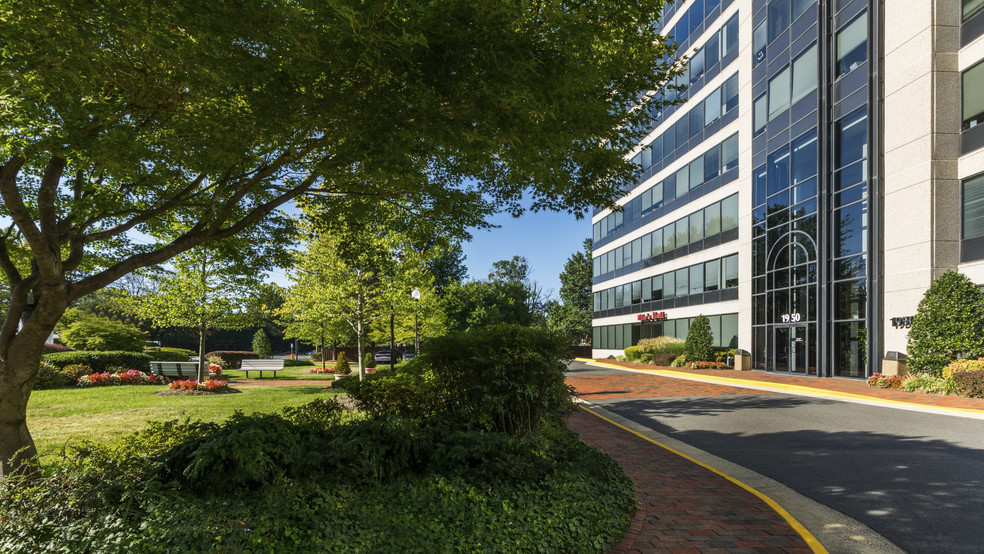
{"points": [[261, 366], [181, 370]]}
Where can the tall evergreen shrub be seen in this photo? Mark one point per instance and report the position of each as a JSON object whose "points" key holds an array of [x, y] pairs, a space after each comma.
{"points": [[948, 324], [261, 345], [700, 341]]}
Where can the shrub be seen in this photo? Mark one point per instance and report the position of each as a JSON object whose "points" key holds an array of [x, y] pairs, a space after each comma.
{"points": [[166, 354], [645, 358], [74, 371], [233, 358], [679, 361], [700, 340], [316, 356], [632, 353], [50, 347], [101, 361], [415, 393], [969, 383], [296, 363], [129, 377], [663, 359], [50, 378], [369, 361], [507, 378], [705, 365], [261, 345], [342, 365], [93, 332], [927, 382], [962, 366], [662, 345], [948, 324]]}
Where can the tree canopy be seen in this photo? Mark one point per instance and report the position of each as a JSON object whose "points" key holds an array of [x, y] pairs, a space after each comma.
{"points": [[571, 317], [136, 130]]}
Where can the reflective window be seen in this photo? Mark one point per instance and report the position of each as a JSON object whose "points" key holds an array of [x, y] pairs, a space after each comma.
{"points": [[804, 162], [778, 18], [712, 218], [712, 50], [712, 163], [669, 285], [805, 71], [759, 41], [712, 107], [696, 279], [696, 65], [758, 185], [712, 275], [731, 33], [852, 45], [730, 94], [637, 251], [973, 96], [683, 181], [657, 240], [800, 6], [682, 282], [779, 93], [696, 225], [696, 173], [696, 117], [729, 212], [682, 232], [971, 7], [731, 271], [729, 153], [972, 211], [851, 138], [778, 170], [851, 232], [682, 130], [760, 115]]}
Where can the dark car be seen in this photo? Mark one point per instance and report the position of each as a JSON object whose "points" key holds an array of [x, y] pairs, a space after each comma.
{"points": [[383, 357]]}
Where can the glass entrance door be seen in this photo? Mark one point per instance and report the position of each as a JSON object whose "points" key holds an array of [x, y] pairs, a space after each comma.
{"points": [[791, 345]]}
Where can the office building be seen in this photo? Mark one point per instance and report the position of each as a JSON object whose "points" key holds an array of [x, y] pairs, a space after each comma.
{"points": [[827, 165]]}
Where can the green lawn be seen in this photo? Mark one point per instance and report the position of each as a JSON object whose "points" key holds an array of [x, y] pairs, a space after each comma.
{"points": [[105, 414]]}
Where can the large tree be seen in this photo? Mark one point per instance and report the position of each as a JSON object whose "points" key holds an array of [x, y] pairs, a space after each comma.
{"points": [[571, 317], [123, 118]]}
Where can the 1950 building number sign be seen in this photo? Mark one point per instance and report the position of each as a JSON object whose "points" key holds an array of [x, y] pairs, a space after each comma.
{"points": [[902, 322]]}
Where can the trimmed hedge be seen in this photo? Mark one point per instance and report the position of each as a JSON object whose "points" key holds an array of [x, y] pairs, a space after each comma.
{"points": [[165, 354], [949, 324], [970, 383], [233, 358], [100, 361]]}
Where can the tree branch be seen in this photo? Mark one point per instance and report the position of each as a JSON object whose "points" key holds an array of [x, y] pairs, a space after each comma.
{"points": [[47, 196]]}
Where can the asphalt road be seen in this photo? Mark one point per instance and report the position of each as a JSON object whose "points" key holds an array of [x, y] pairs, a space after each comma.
{"points": [[915, 478]]}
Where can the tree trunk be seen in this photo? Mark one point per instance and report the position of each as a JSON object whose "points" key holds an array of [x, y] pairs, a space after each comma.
{"points": [[20, 358], [201, 353]]}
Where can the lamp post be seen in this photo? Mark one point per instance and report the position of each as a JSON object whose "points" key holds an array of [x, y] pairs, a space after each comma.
{"points": [[416, 337]]}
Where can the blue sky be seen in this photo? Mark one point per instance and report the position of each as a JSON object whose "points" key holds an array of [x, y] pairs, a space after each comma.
{"points": [[547, 239]]}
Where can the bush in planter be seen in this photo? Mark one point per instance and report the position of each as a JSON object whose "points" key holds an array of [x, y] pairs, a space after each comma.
{"points": [[369, 361], [970, 383], [948, 324], [700, 341], [342, 365], [233, 358], [962, 366], [632, 353], [662, 345]]}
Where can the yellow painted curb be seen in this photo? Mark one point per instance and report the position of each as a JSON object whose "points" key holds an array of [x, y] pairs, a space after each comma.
{"points": [[785, 387], [808, 537]]}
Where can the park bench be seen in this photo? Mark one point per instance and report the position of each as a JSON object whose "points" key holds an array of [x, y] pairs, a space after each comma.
{"points": [[181, 370], [261, 366]]}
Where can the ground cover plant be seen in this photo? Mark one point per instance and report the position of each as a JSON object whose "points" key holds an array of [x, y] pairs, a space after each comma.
{"points": [[308, 479]]}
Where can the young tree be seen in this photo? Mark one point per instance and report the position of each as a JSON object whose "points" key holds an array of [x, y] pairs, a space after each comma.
{"points": [[261, 345], [142, 114], [478, 304], [700, 341], [572, 317], [949, 323], [517, 270]]}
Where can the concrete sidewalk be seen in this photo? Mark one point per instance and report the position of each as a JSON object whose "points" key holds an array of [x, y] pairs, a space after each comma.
{"points": [[691, 501]]}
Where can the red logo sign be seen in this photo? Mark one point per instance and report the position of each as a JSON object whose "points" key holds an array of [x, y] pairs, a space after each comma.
{"points": [[652, 316]]}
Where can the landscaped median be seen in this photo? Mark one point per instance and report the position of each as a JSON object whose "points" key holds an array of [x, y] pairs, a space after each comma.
{"points": [[463, 449]]}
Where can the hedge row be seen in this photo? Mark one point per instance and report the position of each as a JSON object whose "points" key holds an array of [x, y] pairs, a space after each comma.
{"points": [[233, 358], [100, 361]]}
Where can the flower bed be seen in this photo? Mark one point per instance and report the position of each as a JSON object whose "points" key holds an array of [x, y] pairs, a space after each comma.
{"points": [[210, 385], [214, 370], [322, 370], [885, 381], [705, 365], [131, 377]]}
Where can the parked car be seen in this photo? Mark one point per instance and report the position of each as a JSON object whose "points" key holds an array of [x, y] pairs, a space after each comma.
{"points": [[409, 356], [383, 357]]}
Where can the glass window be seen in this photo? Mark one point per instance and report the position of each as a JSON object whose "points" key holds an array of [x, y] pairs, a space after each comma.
{"points": [[731, 33], [731, 93], [804, 164], [972, 220], [669, 238], [729, 330], [647, 200], [778, 170], [712, 163], [712, 107], [850, 299], [712, 275], [729, 212], [851, 138], [657, 287], [647, 157], [682, 282], [800, 6], [626, 255], [696, 225], [669, 188], [729, 153], [683, 181], [669, 141], [647, 290], [696, 12], [759, 41], [637, 251], [682, 232], [669, 285], [760, 117], [657, 195], [805, 71], [971, 7], [778, 17], [611, 260], [611, 298], [696, 65], [657, 147], [636, 292], [712, 219], [731, 271], [697, 173], [647, 246], [712, 51], [973, 96], [596, 267], [618, 297], [682, 129], [758, 185], [696, 116], [852, 45], [779, 94], [696, 279], [851, 231], [657, 241]]}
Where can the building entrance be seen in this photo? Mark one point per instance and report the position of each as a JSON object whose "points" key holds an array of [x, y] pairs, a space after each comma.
{"points": [[791, 349]]}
